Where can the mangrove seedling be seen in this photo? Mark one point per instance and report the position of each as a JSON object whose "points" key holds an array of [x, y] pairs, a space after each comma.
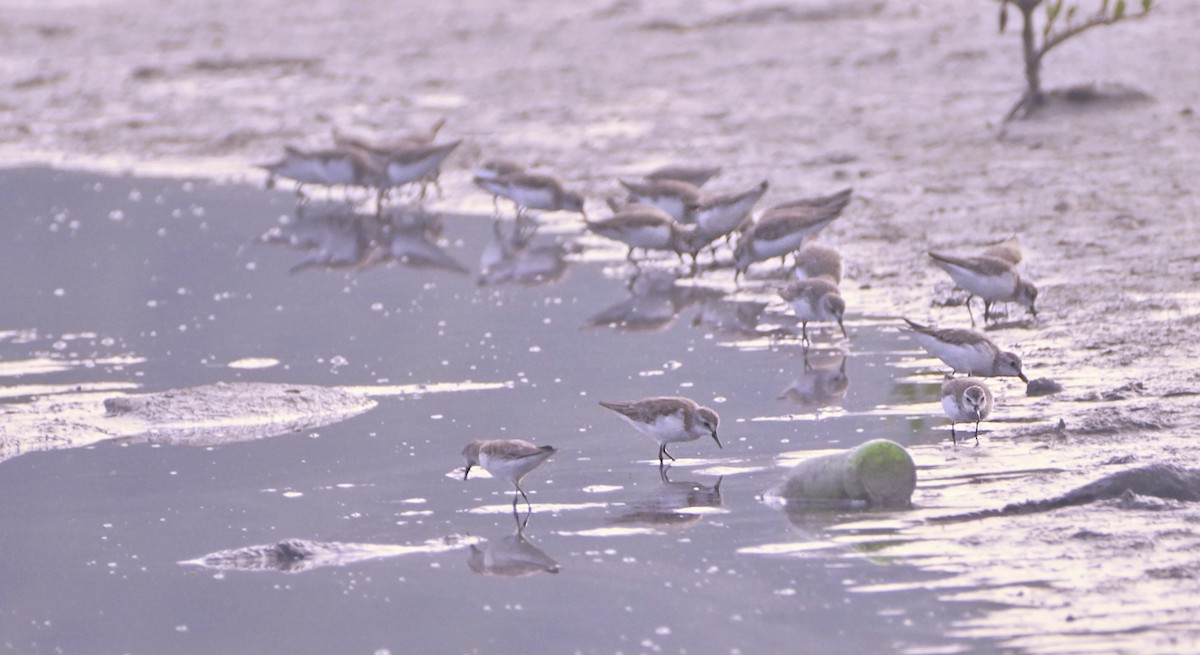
{"points": [[1056, 27]]}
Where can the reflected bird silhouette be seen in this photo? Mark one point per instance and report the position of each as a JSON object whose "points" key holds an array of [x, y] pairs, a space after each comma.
{"points": [[514, 258], [670, 502], [739, 317], [511, 556], [823, 385], [654, 302]]}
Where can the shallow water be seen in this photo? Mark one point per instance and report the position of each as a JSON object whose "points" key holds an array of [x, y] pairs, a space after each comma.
{"points": [[145, 284]]}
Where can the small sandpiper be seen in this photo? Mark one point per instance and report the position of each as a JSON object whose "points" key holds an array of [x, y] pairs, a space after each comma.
{"points": [[966, 351], [1009, 250], [993, 280], [817, 299], [672, 196], [694, 175], [498, 167], [817, 261], [966, 399], [719, 215], [494, 169], [407, 165], [415, 138], [668, 420], [779, 233], [643, 226], [335, 167], [528, 190], [838, 199], [507, 459]]}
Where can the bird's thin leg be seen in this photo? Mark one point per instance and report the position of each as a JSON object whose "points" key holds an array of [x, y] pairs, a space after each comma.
{"points": [[969, 312], [527, 505], [664, 449], [804, 332], [953, 436], [987, 311]]}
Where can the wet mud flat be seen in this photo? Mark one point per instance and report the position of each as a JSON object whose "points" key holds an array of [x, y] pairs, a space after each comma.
{"points": [[424, 352], [1101, 197]]}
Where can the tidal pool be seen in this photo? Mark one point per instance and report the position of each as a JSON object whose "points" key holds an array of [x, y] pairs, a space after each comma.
{"points": [[361, 536]]}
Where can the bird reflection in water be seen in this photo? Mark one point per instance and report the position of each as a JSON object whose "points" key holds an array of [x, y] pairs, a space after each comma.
{"points": [[736, 317], [336, 237], [672, 503], [654, 302], [823, 383], [515, 258], [512, 556]]}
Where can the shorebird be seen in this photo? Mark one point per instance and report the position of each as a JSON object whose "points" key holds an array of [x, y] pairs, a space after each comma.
{"points": [[416, 163], [668, 420], [779, 233], [643, 226], [839, 199], [694, 175], [966, 351], [507, 459], [498, 167], [993, 280], [494, 169], [415, 138], [533, 191], [718, 215], [335, 167], [966, 399], [817, 299], [1009, 250], [817, 261], [672, 196]]}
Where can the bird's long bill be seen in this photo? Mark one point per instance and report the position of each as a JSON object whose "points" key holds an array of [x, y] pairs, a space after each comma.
{"points": [[717, 440], [844, 335], [1023, 378], [466, 471]]}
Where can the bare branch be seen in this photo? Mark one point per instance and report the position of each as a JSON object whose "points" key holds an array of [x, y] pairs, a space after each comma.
{"points": [[1094, 21]]}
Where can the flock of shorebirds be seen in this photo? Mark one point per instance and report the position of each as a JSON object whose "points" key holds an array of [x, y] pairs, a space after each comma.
{"points": [[667, 211]]}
